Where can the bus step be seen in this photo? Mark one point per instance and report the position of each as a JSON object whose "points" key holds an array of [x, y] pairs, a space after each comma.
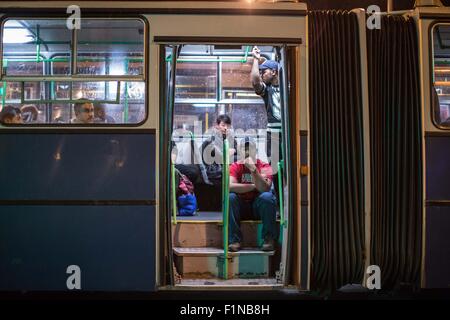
{"points": [[209, 234], [204, 263]]}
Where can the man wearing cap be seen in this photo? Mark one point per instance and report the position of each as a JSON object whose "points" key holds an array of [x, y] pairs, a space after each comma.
{"points": [[264, 78], [251, 196]]}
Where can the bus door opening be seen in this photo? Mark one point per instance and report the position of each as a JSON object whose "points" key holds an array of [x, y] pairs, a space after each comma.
{"points": [[228, 165]]}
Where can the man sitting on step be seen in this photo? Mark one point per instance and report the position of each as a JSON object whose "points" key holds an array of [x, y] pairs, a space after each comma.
{"points": [[251, 196]]}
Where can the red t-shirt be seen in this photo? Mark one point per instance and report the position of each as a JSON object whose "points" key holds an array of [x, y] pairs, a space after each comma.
{"points": [[243, 175]]}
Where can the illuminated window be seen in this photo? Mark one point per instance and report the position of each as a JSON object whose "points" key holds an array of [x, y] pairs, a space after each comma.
{"points": [[440, 88], [43, 70]]}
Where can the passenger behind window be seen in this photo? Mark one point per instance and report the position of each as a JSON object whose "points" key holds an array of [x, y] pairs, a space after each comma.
{"points": [[58, 116], [446, 123], [441, 114], [11, 115], [436, 106], [29, 113], [84, 112], [213, 146], [100, 115]]}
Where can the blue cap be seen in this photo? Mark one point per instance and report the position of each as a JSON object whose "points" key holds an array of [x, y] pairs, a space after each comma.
{"points": [[269, 64]]}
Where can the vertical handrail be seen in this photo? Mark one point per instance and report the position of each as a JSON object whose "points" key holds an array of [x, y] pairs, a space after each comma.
{"points": [[280, 193], [3, 95], [171, 100], [225, 203], [126, 107], [38, 45], [174, 194], [166, 123]]}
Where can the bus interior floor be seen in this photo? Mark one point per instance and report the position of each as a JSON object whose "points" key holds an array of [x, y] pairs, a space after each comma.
{"points": [[203, 216], [216, 282], [211, 216]]}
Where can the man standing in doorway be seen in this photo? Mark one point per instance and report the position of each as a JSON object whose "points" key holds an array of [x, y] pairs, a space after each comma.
{"points": [[265, 81]]}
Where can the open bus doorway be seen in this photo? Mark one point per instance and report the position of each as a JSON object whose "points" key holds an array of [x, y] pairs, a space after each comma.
{"points": [[209, 87]]}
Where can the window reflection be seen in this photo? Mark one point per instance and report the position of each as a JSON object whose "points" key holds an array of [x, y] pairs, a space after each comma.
{"points": [[28, 45], [41, 47], [120, 51]]}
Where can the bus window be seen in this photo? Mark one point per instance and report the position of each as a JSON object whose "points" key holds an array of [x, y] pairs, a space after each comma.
{"points": [[212, 81], [38, 78], [110, 47], [196, 80], [247, 113], [440, 88], [29, 45]]}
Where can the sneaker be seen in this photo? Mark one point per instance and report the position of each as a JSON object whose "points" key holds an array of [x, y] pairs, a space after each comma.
{"points": [[234, 247], [268, 245]]}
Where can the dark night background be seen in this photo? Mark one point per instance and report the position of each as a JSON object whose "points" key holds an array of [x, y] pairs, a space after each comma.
{"points": [[351, 4], [348, 4]]}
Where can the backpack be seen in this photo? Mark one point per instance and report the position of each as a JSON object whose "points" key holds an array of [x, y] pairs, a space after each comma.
{"points": [[185, 185], [187, 202], [214, 172], [187, 205]]}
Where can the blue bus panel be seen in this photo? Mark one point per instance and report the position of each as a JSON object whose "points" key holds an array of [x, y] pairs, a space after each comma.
{"points": [[437, 246], [99, 166], [114, 247], [438, 173]]}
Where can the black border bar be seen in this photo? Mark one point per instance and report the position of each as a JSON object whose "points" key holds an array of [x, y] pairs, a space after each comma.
{"points": [[177, 11]]}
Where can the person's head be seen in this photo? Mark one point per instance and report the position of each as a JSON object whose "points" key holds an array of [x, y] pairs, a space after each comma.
{"points": [[11, 115], [84, 112], [29, 113], [247, 148], [223, 123], [99, 111], [269, 71]]}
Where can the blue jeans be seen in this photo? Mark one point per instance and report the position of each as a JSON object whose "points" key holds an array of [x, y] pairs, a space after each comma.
{"points": [[264, 207]]}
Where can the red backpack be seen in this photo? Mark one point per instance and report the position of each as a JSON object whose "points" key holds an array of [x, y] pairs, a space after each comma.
{"points": [[185, 185], [186, 200]]}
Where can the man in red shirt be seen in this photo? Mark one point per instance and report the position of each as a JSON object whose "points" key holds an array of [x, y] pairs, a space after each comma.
{"points": [[251, 195]]}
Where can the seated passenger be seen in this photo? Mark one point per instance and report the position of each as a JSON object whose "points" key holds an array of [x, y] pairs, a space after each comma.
{"points": [[84, 112], [436, 105], [213, 146], [446, 122], [100, 114], [57, 114], [11, 115], [251, 196], [29, 113]]}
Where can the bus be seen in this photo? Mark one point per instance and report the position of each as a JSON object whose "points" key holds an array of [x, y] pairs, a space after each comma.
{"points": [[107, 108]]}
